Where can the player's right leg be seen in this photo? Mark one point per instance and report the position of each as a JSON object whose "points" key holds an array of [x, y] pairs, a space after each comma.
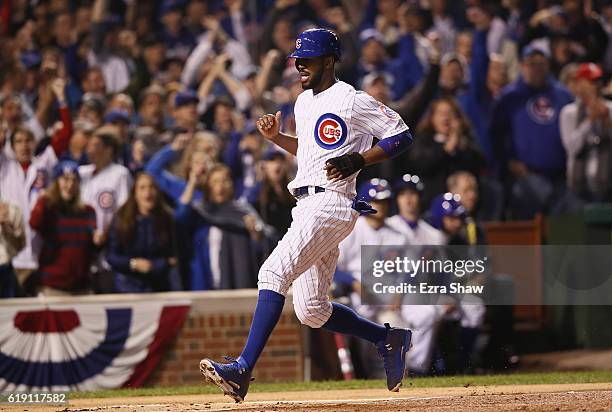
{"points": [[320, 222]]}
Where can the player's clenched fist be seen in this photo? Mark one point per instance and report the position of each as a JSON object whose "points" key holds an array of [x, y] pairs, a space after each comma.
{"points": [[269, 125]]}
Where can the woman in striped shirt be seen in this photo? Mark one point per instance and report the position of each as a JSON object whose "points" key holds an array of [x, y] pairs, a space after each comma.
{"points": [[66, 227]]}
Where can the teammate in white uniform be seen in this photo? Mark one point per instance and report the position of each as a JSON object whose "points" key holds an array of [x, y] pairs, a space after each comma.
{"points": [[408, 221], [423, 320], [374, 231], [335, 127]]}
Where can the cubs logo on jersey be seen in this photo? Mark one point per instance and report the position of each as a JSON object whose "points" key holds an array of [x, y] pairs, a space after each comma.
{"points": [[541, 110], [330, 131], [106, 199], [41, 179]]}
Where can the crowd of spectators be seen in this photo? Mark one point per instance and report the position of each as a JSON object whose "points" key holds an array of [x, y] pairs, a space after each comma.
{"points": [[130, 160]]}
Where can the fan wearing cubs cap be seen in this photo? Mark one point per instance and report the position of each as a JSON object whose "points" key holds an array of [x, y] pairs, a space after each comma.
{"points": [[408, 221], [66, 227], [336, 126], [586, 129]]}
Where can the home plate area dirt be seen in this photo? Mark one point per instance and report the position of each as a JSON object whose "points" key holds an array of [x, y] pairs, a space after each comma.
{"points": [[566, 397]]}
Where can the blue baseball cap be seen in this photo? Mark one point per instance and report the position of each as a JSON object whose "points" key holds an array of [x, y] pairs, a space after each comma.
{"points": [[30, 59], [408, 181], [66, 167], [374, 189], [250, 127], [531, 50], [274, 155], [316, 43], [117, 115], [447, 204], [370, 34], [185, 97], [172, 5]]}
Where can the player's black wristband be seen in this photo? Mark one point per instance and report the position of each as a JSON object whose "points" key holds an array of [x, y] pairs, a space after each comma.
{"points": [[348, 164], [357, 160]]}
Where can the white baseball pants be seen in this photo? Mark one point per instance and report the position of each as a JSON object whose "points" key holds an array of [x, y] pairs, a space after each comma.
{"points": [[307, 255]]}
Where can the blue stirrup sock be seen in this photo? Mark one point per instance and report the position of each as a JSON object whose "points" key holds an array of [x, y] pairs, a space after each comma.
{"points": [[345, 320], [267, 313]]}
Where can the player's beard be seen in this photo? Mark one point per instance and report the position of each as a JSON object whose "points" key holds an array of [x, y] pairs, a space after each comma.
{"points": [[313, 81]]}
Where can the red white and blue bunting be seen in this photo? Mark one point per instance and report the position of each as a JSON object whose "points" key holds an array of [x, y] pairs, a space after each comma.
{"points": [[85, 346]]}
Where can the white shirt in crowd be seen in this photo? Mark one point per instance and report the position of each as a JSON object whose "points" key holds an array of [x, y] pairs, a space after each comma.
{"points": [[23, 189], [105, 190], [574, 136]]}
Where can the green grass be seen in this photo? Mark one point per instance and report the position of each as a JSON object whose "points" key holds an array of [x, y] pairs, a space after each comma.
{"points": [[443, 381]]}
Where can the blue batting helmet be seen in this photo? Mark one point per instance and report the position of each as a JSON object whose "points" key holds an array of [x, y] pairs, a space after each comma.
{"points": [[374, 189], [447, 204], [409, 181], [316, 43]]}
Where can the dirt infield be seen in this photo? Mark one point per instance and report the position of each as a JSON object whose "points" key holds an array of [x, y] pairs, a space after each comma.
{"points": [[563, 397]]}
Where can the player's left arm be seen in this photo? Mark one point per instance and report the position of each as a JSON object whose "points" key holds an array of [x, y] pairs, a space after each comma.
{"points": [[341, 167], [378, 120]]}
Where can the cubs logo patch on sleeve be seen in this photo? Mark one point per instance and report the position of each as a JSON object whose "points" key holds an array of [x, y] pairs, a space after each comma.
{"points": [[387, 112], [330, 131]]}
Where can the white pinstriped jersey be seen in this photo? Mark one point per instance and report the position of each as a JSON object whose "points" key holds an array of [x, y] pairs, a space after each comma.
{"points": [[422, 234], [337, 121], [105, 191], [334, 122]]}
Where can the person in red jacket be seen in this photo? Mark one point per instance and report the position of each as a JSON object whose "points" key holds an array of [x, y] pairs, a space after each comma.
{"points": [[66, 227]]}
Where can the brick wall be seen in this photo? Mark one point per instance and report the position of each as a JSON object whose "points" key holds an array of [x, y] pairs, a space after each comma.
{"points": [[218, 324]]}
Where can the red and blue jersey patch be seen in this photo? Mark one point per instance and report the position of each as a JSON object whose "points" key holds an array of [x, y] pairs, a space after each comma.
{"points": [[541, 110], [106, 199], [330, 131]]}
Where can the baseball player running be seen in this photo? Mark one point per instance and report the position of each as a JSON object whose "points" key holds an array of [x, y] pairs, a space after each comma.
{"points": [[335, 127]]}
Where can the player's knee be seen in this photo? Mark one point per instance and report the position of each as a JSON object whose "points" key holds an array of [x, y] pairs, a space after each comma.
{"points": [[268, 279], [309, 320], [313, 314]]}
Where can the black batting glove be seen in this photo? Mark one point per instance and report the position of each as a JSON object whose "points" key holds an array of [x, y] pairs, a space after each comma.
{"points": [[341, 167]]}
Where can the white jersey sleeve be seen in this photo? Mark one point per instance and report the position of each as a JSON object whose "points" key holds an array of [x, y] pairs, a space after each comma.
{"points": [[123, 188], [372, 118]]}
